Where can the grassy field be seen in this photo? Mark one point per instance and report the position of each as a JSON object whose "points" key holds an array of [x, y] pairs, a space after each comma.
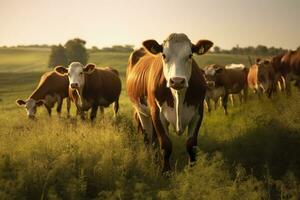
{"points": [[253, 153]]}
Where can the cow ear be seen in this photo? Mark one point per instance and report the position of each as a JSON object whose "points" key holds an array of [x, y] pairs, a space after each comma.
{"points": [[202, 47], [152, 46], [40, 102], [257, 60], [20, 102], [89, 68], [61, 70]]}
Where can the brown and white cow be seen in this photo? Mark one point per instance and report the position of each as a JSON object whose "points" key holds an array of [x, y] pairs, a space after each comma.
{"points": [[52, 88], [263, 78], [225, 80], [166, 86], [92, 87], [290, 69]]}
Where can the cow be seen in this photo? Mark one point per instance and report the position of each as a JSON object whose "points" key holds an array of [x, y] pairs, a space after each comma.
{"points": [[166, 86], [217, 93], [91, 87], [263, 77], [52, 88], [279, 72], [223, 81], [290, 69]]}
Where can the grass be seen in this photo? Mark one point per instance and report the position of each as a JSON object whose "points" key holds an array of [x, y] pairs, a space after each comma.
{"points": [[253, 153]]}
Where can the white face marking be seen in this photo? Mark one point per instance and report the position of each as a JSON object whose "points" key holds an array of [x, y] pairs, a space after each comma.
{"points": [[31, 107], [177, 62], [210, 71], [75, 74]]}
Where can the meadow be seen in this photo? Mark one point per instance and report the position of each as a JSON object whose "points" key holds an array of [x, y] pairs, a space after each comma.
{"points": [[253, 153]]}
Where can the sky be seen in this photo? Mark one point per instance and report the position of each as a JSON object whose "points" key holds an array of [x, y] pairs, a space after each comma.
{"points": [[117, 22]]}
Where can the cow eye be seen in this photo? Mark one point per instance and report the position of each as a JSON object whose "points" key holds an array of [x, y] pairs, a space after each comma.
{"points": [[81, 73], [164, 56], [190, 56]]}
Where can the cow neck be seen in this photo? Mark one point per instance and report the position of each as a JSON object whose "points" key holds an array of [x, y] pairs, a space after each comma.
{"points": [[41, 91]]}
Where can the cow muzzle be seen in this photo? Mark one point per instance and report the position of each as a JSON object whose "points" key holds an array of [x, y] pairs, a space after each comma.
{"points": [[178, 83], [210, 84], [74, 85]]}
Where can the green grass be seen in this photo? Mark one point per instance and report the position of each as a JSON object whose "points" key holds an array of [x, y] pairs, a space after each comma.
{"points": [[253, 153]]}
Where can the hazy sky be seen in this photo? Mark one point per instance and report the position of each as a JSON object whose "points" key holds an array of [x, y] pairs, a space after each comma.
{"points": [[108, 22]]}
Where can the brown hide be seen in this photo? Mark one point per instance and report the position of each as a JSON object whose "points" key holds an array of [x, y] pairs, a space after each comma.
{"points": [[51, 83], [102, 83]]}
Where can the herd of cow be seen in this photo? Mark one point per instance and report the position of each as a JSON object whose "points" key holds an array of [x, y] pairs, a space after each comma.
{"points": [[165, 86]]}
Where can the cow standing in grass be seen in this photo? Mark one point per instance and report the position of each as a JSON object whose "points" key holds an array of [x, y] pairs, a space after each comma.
{"points": [[52, 88], [92, 87], [166, 86], [223, 81]]}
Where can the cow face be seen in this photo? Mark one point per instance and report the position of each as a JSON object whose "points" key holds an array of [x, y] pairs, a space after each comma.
{"points": [[213, 74], [176, 53], [263, 78], [30, 106], [76, 73]]}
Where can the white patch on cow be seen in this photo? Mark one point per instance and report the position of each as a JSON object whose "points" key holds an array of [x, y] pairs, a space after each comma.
{"points": [[235, 66], [177, 62], [169, 113], [31, 107], [75, 73], [144, 117], [210, 71]]}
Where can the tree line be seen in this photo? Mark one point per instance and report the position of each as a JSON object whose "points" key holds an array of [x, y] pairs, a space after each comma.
{"points": [[250, 50]]}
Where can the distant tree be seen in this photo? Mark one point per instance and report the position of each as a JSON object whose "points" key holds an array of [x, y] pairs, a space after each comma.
{"points": [[298, 49], [94, 49], [217, 49], [57, 56], [76, 51], [262, 50]]}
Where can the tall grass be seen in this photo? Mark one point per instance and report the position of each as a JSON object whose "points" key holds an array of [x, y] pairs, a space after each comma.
{"points": [[253, 153]]}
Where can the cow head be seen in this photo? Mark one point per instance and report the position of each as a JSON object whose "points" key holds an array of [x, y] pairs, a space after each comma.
{"points": [[76, 72], [176, 53], [213, 74], [30, 106], [263, 74]]}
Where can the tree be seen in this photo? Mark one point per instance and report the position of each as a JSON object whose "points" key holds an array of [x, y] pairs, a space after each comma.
{"points": [[217, 49], [57, 56], [298, 49], [76, 51], [261, 50]]}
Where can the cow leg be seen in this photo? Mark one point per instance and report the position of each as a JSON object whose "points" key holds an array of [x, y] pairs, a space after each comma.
{"points": [[101, 108], [241, 97], [59, 105], [193, 130], [49, 110], [68, 106], [208, 105], [231, 99], [164, 141], [288, 84], [116, 107], [245, 94], [94, 112], [224, 103]]}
